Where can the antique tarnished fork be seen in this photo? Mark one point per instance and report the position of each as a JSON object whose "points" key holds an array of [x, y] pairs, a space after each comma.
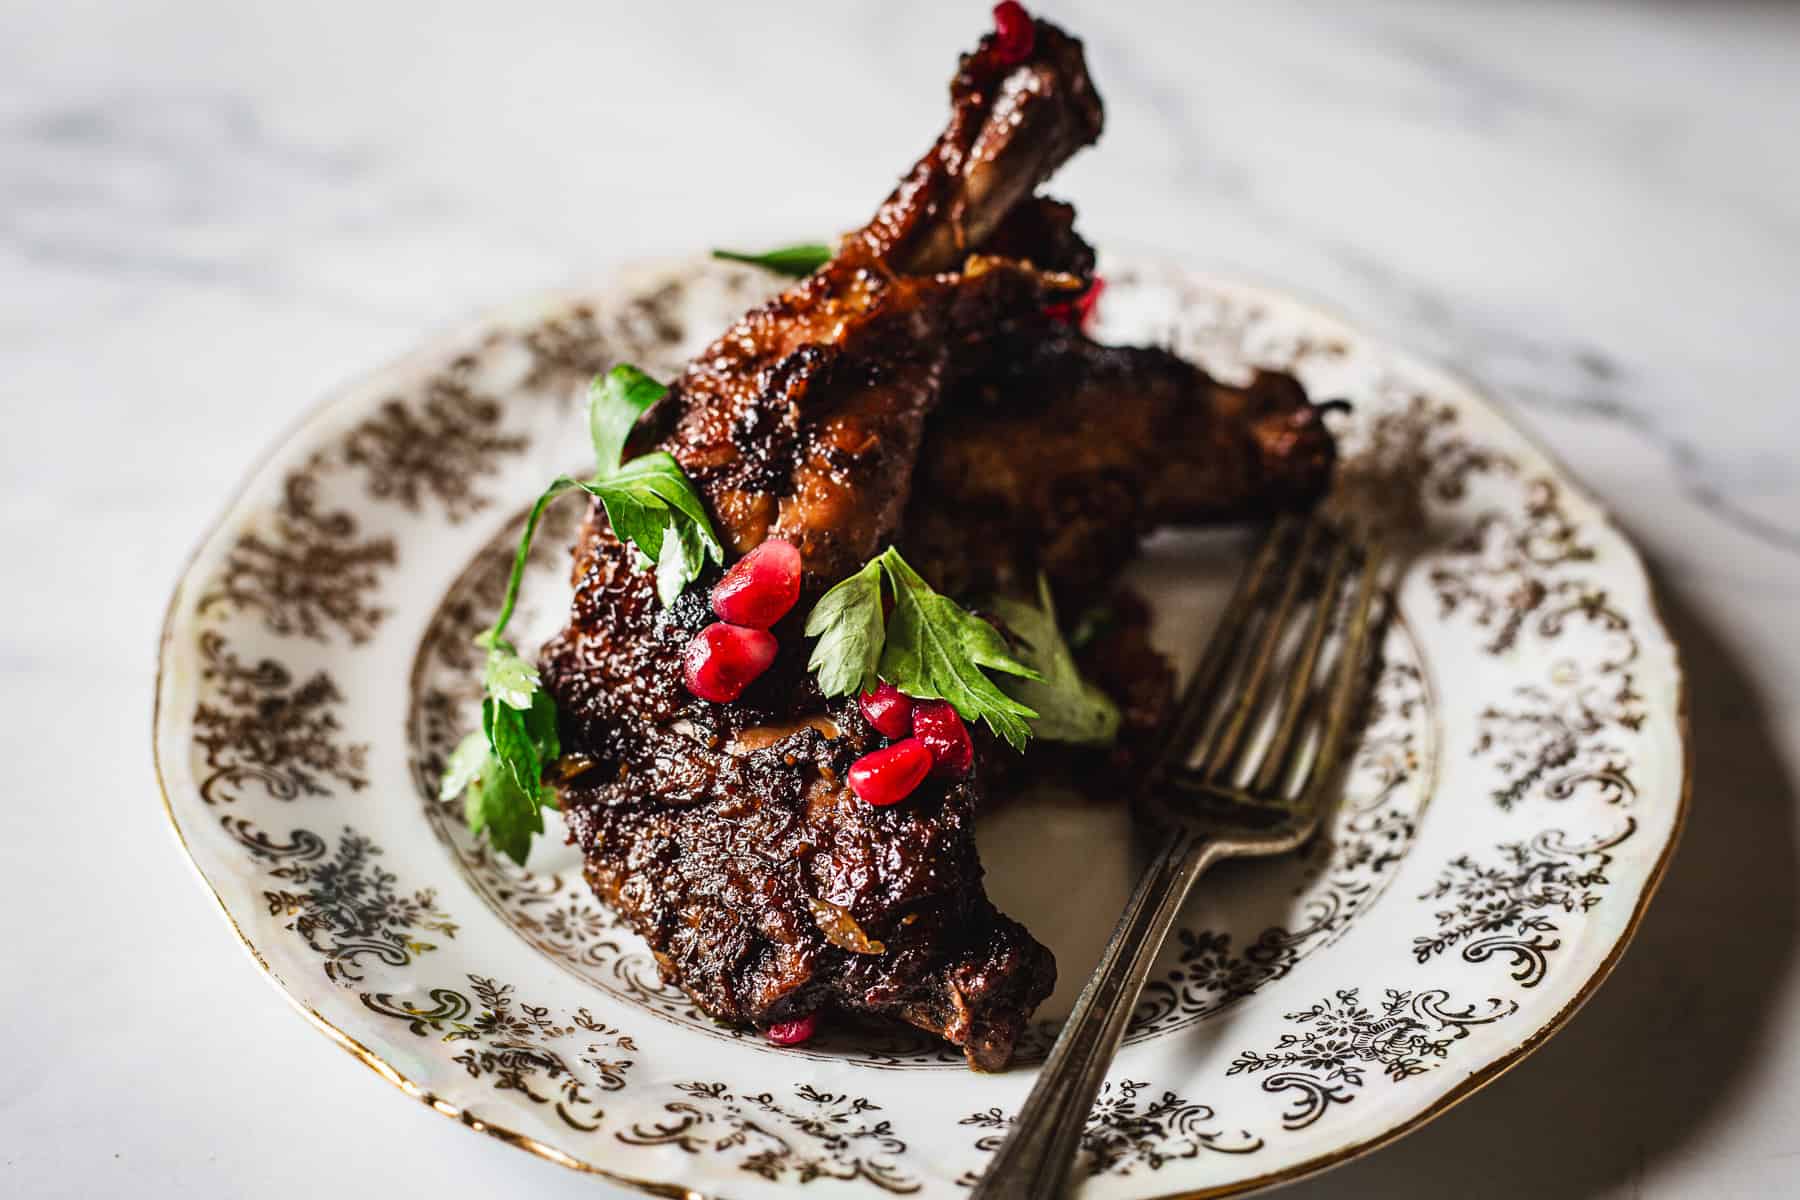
{"points": [[1240, 773]]}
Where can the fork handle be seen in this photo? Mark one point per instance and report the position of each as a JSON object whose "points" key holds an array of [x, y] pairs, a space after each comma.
{"points": [[1034, 1160]]}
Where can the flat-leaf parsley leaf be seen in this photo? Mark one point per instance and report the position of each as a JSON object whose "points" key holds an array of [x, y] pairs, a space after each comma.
{"points": [[1069, 708], [797, 261], [938, 651], [847, 622], [615, 402], [653, 508]]}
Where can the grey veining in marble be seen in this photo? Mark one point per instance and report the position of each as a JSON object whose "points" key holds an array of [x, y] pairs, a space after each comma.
{"points": [[211, 211]]}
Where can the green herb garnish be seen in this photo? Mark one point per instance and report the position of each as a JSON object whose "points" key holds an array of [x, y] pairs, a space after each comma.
{"points": [[1069, 708], [847, 622], [652, 507], [500, 767], [937, 651], [931, 648], [797, 261]]}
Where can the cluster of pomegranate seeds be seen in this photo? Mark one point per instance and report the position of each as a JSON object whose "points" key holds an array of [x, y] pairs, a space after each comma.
{"points": [[889, 775], [1014, 33], [726, 657], [792, 1033], [933, 741], [1078, 312], [888, 709], [760, 587], [936, 723]]}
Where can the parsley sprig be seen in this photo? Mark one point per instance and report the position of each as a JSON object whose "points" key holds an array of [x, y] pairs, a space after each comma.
{"points": [[499, 768], [797, 261], [1069, 708], [650, 503], [933, 649], [930, 648]]}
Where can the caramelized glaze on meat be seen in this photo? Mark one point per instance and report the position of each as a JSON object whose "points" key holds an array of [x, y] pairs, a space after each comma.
{"points": [[1057, 454], [726, 834]]}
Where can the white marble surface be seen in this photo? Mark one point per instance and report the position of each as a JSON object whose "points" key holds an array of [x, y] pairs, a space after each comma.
{"points": [[213, 210]]}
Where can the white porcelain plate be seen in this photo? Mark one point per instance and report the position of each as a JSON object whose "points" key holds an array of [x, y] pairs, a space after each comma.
{"points": [[1518, 783]]}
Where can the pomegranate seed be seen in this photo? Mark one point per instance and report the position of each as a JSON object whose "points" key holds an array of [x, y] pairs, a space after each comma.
{"points": [[936, 723], [1014, 33], [760, 587], [888, 709], [1088, 301], [888, 776], [792, 1033], [722, 660], [1078, 312]]}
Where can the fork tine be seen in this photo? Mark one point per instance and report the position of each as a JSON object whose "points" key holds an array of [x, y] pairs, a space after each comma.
{"points": [[1216, 753], [1196, 699], [1337, 717], [1275, 764]]}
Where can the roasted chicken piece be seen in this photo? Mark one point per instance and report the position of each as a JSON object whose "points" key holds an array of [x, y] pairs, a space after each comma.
{"points": [[803, 421], [725, 834], [1056, 454]]}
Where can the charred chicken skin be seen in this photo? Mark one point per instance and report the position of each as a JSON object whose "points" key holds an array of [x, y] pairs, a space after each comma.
{"points": [[871, 404], [1122, 440]]}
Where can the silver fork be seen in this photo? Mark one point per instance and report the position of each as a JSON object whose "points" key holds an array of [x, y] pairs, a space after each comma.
{"points": [[1240, 774]]}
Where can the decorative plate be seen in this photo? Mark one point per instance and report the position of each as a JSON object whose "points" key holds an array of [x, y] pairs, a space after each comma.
{"points": [[1518, 781]]}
